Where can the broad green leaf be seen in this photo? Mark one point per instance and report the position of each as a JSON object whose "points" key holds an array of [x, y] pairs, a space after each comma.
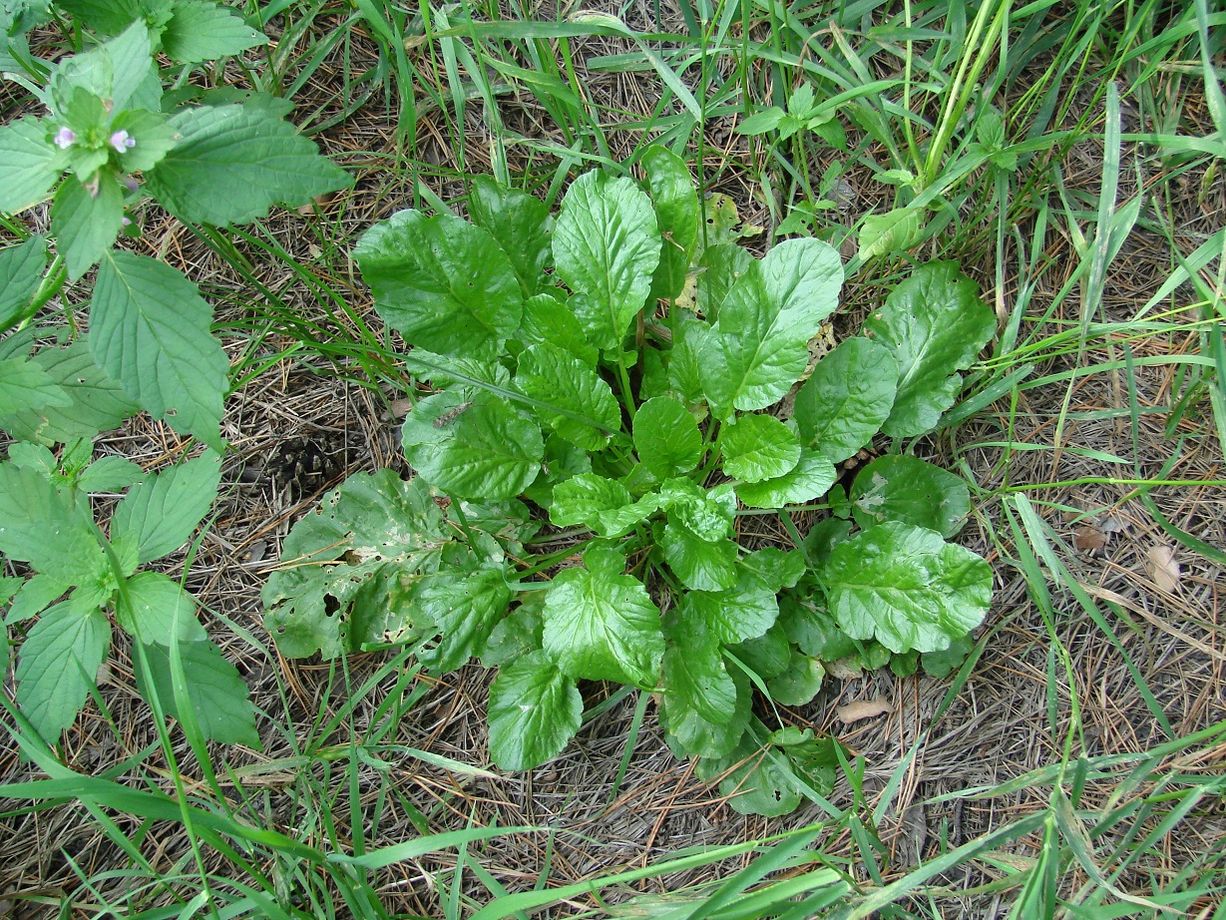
{"points": [[43, 526], [799, 683], [694, 341], [603, 505], [441, 282], [348, 568], [533, 713], [606, 245], [120, 72], [86, 223], [96, 402], [935, 325], [813, 630], [759, 447], [943, 662], [757, 779], [911, 491], [201, 31], [701, 565], [719, 268], [445, 370], [110, 474], [547, 319], [464, 608], [161, 512], [774, 567], [706, 513], [57, 665], [517, 634], [811, 478], [600, 624], [847, 398], [149, 329], [110, 17], [767, 319], [676, 205], [891, 233], [21, 271], [703, 707], [29, 163], [562, 461], [767, 655], [906, 587], [217, 694], [34, 596], [521, 226], [762, 121], [473, 444], [233, 162], [155, 610], [746, 610], [571, 397], [666, 437], [26, 387], [153, 136]]}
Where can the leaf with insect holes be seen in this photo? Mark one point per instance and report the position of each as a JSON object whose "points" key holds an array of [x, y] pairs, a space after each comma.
{"points": [[766, 321], [348, 568], [220, 700], [911, 491], [149, 329], [57, 664], [534, 711], [600, 624], [606, 245], [160, 513], [847, 398], [935, 325], [201, 31], [759, 447], [464, 607], [571, 398], [666, 437], [906, 587], [442, 283], [521, 226], [603, 505], [473, 444], [29, 163], [676, 205], [233, 162], [21, 271]]}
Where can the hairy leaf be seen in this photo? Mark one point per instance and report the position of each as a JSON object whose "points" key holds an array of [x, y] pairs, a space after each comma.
{"points": [[156, 611], [21, 270], [149, 330], [57, 665], [41, 525], [161, 512], [201, 31], [26, 387], [29, 163], [220, 701], [85, 222]]}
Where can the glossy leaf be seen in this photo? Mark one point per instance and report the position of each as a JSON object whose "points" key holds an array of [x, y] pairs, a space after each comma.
{"points": [[442, 283], [701, 565], [464, 608], [473, 444], [600, 624], [847, 398], [603, 505], [906, 587], [571, 398], [759, 447], [911, 491], [935, 325], [521, 226], [810, 479], [666, 437], [534, 711], [676, 205], [606, 245]]}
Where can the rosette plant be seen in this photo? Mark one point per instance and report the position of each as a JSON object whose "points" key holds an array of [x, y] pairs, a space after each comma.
{"points": [[596, 466]]}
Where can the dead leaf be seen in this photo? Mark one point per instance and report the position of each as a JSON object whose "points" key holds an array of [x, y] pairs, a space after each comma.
{"points": [[1088, 538], [1163, 568], [863, 709]]}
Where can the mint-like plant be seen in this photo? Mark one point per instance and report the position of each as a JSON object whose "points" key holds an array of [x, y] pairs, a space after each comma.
{"points": [[109, 139], [570, 388]]}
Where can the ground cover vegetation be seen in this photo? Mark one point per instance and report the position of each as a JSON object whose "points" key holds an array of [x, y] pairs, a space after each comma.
{"points": [[810, 415]]}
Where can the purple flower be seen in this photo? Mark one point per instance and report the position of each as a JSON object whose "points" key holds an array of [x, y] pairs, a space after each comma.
{"points": [[121, 141], [64, 138]]}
